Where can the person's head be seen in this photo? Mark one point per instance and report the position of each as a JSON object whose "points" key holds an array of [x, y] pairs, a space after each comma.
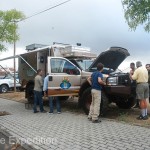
{"points": [[100, 66], [147, 67], [138, 64], [132, 65], [39, 72]]}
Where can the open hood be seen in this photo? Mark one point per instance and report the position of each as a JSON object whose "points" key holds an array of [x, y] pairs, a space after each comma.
{"points": [[111, 58]]}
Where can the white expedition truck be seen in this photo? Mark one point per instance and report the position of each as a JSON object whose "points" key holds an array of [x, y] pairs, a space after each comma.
{"points": [[69, 66]]}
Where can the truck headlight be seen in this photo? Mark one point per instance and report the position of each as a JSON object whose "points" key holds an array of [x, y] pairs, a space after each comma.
{"points": [[112, 80]]}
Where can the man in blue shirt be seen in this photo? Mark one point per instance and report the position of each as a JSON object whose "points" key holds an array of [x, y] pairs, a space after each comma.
{"points": [[45, 89], [96, 81]]}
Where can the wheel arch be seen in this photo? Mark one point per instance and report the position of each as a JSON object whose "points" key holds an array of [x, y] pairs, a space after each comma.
{"points": [[83, 87], [4, 84]]}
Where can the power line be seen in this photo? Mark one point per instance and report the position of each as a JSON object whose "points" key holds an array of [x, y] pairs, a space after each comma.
{"points": [[44, 10]]}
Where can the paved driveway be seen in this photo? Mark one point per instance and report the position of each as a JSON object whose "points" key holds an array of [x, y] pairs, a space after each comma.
{"points": [[68, 131]]}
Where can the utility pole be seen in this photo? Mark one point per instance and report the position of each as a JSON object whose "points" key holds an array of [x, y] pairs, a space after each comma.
{"points": [[14, 57]]}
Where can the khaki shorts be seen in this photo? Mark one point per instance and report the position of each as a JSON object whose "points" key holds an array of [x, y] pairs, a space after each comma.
{"points": [[142, 91]]}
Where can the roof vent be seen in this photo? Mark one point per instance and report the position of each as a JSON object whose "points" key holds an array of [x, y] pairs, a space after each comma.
{"points": [[78, 44], [34, 46]]}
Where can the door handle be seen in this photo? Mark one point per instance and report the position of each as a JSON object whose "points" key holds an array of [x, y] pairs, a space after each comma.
{"points": [[50, 78]]}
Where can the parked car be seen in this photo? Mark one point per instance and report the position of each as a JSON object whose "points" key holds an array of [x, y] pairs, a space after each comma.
{"points": [[7, 82]]}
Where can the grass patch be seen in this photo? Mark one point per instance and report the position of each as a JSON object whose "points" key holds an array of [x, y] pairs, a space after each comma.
{"points": [[123, 116]]}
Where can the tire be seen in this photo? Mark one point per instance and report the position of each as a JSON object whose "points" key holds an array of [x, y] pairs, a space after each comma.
{"points": [[4, 89], [104, 104], [126, 103], [87, 99], [30, 93]]}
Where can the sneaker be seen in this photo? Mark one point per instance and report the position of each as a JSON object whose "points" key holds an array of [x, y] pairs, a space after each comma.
{"points": [[140, 117], [58, 112], [145, 117], [50, 113], [96, 121], [35, 111], [44, 111], [90, 119]]}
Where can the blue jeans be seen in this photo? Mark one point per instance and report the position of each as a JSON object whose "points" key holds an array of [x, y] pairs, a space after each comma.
{"points": [[38, 99], [57, 104]]}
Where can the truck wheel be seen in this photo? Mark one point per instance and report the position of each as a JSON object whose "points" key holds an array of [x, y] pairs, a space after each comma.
{"points": [[104, 104], [30, 93], [126, 103], [87, 99], [4, 88]]}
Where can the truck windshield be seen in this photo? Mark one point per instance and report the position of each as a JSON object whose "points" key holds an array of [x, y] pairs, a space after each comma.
{"points": [[84, 64]]}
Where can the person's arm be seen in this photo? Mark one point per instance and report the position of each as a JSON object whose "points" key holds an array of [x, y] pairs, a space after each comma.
{"points": [[100, 81], [40, 81], [89, 79], [130, 74], [45, 85]]}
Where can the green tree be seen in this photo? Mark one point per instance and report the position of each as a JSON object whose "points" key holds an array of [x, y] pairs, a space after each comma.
{"points": [[9, 26], [137, 13]]}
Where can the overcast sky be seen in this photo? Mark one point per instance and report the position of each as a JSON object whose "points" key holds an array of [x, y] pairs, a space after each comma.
{"points": [[98, 24]]}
